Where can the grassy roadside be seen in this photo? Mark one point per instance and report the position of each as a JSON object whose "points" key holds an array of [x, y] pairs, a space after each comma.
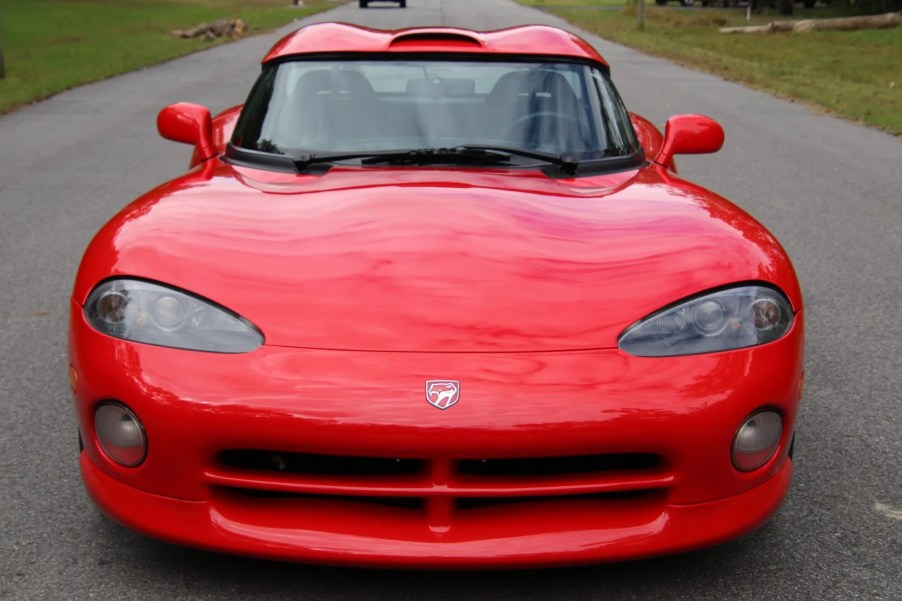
{"points": [[856, 75], [52, 45]]}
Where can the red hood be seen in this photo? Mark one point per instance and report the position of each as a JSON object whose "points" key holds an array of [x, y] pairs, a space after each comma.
{"points": [[423, 260]]}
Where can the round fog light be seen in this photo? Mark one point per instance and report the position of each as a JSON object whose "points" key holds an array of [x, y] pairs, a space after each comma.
{"points": [[756, 440], [120, 433]]}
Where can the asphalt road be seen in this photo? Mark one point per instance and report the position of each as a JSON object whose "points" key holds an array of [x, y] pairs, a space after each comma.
{"points": [[831, 191]]}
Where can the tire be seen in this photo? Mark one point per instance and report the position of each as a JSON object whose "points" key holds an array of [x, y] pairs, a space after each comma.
{"points": [[687, 2], [403, 3], [808, 3], [363, 3], [660, 2]]}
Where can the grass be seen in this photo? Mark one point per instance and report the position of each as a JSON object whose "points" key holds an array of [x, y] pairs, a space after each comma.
{"points": [[52, 45], [856, 75]]}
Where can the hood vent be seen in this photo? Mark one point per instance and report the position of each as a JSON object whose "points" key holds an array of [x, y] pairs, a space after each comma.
{"points": [[421, 40]]}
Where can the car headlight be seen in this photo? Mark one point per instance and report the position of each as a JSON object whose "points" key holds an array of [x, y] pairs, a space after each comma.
{"points": [[717, 321], [154, 314]]}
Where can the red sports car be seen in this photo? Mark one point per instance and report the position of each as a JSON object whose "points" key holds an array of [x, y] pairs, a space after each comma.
{"points": [[433, 297]]}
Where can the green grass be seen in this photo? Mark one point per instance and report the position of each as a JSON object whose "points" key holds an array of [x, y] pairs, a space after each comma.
{"points": [[52, 45], [580, 3], [856, 75]]}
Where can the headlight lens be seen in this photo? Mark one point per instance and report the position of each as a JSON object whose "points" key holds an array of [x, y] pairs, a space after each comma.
{"points": [[718, 321], [153, 314]]}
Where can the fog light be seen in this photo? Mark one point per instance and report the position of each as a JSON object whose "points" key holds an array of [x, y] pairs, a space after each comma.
{"points": [[120, 433], [756, 440]]}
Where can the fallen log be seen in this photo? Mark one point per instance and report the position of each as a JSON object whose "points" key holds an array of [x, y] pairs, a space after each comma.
{"points": [[884, 21], [772, 27], [217, 29]]}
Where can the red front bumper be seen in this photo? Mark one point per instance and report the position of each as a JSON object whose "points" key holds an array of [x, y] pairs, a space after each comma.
{"points": [[570, 532], [676, 415]]}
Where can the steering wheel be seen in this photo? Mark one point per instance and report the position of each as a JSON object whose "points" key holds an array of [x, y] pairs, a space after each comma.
{"points": [[565, 123]]}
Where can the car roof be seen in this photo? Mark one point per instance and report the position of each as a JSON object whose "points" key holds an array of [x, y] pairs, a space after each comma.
{"points": [[526, 40]]}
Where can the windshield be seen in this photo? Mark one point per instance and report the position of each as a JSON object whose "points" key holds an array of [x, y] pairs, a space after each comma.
{"points": [[348, 106]]}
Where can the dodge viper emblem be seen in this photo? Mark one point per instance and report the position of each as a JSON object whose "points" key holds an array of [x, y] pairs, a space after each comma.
{"points": [[442, 393]]}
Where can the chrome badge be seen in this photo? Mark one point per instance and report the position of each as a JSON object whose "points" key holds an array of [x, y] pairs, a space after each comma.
{"points": [[442, 393]]}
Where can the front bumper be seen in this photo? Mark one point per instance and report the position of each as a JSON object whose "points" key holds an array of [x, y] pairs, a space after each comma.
{"points": [[677, 414], [569, 533]]}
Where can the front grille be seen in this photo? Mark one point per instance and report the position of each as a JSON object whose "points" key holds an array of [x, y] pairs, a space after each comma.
{"points": [[438, 486]]}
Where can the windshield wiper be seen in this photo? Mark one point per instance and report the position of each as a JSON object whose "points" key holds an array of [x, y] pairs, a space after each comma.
{"points": [[421, 156], [474, 152], [426, 156], [468, 153], [301, 163], [567, 163]]}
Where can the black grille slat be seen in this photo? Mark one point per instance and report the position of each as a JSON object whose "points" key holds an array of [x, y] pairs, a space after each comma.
{"points": [[480, 502], [322, 465], [397, 502], [461, 503], [559, 466], [339, 465]]}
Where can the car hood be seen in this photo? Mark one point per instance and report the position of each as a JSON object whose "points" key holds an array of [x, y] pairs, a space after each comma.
{"points": [[438, 260]]}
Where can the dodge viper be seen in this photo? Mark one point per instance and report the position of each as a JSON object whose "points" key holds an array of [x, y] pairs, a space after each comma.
{"points": [[434, 298]]}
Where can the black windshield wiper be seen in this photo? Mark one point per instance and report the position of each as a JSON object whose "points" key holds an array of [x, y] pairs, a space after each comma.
{"points": [[426, 156], [304, 161], [474, 152], [567, 163], [420, 156], [468, 153]]}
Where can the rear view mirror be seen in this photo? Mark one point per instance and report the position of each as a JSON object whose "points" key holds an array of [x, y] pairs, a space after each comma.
{"points": [[689, 134], [190, 124]]}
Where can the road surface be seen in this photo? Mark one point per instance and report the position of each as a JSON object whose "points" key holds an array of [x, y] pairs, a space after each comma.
{"points": [[830, 190]]}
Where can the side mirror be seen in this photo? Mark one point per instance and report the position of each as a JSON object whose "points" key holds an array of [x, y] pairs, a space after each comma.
{"points": [[190, 124], [689, 134]]}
